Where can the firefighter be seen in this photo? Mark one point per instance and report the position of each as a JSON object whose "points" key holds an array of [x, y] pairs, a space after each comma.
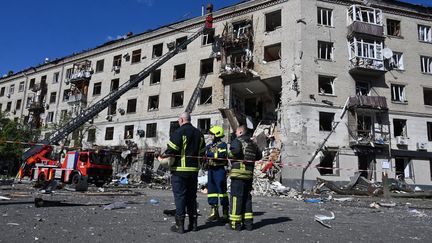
{"points": [[216, 154], [185, 144], [243, 153]]}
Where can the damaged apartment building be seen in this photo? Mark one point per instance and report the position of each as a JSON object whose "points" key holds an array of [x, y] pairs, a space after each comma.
{"points": [[301, 65]]}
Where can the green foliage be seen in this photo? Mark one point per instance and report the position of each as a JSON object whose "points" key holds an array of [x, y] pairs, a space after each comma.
{"points": [[13, 138]]}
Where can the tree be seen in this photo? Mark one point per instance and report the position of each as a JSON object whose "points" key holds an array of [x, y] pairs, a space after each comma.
{"points": [[15, 136]]}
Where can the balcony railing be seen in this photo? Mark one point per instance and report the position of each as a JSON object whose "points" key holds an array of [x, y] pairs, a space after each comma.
{"points": [[365, 20], [368, 102], [77, 98]]}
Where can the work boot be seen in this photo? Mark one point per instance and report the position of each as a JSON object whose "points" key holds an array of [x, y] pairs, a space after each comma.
{"points": [[193, 223], [248, 226], [225, 215], [233, 226], [179, 225], [214, 214]]}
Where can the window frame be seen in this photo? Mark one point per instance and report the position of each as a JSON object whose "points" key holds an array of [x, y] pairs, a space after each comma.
{"points": [[424, 33], [325, 78], [320, 18], [150, 99], [136, 56], [271, 15], [328, 48], [398, 93], [172, 99], [151, 130], [109, 136], [97, 88], [100, 64]]}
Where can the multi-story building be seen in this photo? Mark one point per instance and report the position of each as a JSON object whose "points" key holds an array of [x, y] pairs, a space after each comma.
{"points": [[366, 65]]}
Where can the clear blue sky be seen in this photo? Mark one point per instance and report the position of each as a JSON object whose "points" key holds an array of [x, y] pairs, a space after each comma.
{"points": [[35, 29]]}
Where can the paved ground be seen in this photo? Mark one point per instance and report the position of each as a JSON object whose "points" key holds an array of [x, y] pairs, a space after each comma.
{"points": [[79, 217]]}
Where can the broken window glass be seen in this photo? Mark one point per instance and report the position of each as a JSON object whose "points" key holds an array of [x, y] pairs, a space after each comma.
{"points": [[136, 56], [153, 103], [208, 38], [273, 20], [177, 99], [400, 128], [329, 163], [393, 27], [91, 135], [398, 93], [157, 50], [326, 121], [97, 88], [179, 71], [155, 77], [427, 96], [129, 132], [326, 85], [112, 109], [115, 84], [206, 66], [204, 125], [100, 66], [180, 40], [206, 96], [131, 106], [53, 97], [272, 52], [151, 130], [117, 61], [109, 133]]}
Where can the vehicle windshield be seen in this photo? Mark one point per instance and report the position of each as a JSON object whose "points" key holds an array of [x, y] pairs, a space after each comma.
{"points": [[100, 158]]}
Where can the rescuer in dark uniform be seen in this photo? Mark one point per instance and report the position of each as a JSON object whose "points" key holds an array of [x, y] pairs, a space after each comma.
{"points": [[186, 144]]}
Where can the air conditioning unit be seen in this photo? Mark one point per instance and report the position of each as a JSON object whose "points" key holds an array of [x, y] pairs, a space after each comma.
{"points": [[422, 146], [401, 140]]}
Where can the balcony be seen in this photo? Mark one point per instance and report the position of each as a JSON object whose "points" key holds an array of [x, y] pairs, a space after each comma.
{"points": [[35, 107], [77, 98], [368, 102], [80, 72], [81, 76], [365, 21], [366, 57]]}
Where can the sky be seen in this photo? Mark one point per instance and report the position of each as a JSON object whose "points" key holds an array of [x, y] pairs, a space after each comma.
{"points": [[32, 30]]}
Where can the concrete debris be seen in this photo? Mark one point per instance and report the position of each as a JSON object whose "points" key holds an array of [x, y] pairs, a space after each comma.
{"points": [[2, 198], [387, 205], [417, 213], [321, 218], [116, 205], [343, 199]]}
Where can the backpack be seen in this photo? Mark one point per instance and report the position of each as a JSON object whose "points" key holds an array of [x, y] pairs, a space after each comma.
{"points": [[249, 149]]}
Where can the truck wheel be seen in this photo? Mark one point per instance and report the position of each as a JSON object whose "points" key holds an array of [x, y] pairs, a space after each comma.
{"points": [[75, 179]]}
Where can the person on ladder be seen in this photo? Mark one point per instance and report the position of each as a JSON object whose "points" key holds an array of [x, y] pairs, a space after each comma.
{"points": [[216, 154]]}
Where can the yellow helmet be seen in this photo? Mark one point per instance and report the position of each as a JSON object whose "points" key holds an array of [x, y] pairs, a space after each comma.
{"points": [[217, 131]]}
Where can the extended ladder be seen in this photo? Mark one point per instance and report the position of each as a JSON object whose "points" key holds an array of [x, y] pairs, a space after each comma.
{"points": [[196, 93]]}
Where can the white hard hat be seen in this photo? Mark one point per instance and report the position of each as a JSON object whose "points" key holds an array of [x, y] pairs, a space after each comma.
{"points": [[166, 162]]}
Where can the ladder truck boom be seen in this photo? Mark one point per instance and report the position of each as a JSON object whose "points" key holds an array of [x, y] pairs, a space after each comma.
{"points": [[103, 103]]}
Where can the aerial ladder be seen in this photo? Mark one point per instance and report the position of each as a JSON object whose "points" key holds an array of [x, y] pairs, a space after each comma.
{"points": [[35, 152]]}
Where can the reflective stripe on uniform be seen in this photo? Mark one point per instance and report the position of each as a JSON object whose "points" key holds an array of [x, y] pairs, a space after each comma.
{"points": [[183, 152], [186, 169], [213, 195], [173, 146], [248, 216], [217, 195], [239, 173]]}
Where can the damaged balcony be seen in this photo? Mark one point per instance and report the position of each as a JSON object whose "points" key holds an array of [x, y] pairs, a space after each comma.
{"points": [[368, 121], [366, 57], [365, 20], [236, 46], [80, 72], [35, 106], [77, 98]]}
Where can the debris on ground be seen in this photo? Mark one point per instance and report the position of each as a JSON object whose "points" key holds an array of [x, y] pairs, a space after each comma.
{"points": [[116, 205], [322, 218], [2, 198]]}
